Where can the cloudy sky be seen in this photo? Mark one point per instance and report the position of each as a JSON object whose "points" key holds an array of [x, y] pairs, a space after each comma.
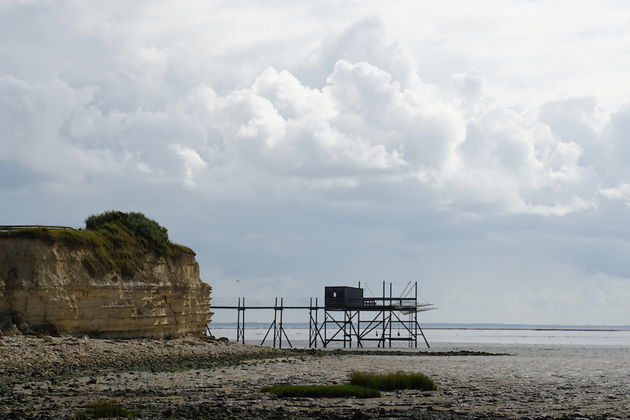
{"points": [[479, 148]]}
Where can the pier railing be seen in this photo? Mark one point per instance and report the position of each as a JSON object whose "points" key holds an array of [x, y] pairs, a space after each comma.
{"points": [[6, 228], [262, 303]]}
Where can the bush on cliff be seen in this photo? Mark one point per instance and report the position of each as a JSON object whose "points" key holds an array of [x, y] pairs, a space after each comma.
{"points": [[155, 236]]}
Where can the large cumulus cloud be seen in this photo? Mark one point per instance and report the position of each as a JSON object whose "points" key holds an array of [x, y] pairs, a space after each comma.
{"points": [[280, 148]]}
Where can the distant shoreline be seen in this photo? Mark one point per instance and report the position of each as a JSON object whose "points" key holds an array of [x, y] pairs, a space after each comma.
{"points": [[609, 329], [469, 327]]}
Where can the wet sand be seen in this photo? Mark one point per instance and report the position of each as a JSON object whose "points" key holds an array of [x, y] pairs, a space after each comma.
{"points": [[185, 382]]}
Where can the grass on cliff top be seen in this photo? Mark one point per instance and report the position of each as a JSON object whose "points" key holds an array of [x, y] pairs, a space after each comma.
{"points": [[322, 391], [119, 241], [392, 381]]}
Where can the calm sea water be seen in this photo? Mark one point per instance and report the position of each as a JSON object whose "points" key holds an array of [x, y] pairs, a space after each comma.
{"points": [[443, 337]]}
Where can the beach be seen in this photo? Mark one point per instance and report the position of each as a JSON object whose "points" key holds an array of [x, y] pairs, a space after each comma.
{"points": [[56, 377]]}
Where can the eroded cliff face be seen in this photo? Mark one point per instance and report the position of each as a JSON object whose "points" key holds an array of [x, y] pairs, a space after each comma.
{"points": [[51, 285]]}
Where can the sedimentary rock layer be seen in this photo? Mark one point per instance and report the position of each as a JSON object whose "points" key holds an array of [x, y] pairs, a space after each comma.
{"points": [[53, 285]]}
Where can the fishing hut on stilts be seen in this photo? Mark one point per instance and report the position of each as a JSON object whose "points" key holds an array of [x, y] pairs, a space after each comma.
{"points": [[348, 318]]}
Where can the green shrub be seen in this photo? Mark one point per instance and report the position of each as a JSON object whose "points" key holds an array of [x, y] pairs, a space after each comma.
{"points": [[138, 224], [392, 381], [104, 409], [322, 391]]}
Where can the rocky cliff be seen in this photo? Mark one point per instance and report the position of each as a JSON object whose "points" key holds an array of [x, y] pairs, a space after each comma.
{"points": [[74, 287]]}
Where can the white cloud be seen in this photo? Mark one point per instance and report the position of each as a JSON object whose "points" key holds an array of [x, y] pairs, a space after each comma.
{"points": [[366, 40], [348, 137], [193, 163], [620, 192]]}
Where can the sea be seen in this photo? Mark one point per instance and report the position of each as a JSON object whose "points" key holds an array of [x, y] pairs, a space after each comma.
{"points": [[450, 335]]}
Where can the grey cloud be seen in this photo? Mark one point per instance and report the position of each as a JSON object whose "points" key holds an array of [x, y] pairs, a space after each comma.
{"points": [[346, 168], [367, 40], [469, 84], [576, 120], [13, 175], [619, 137]]}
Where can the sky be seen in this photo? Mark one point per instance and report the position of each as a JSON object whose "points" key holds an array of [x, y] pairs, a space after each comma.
{"points": [[481, 148]]}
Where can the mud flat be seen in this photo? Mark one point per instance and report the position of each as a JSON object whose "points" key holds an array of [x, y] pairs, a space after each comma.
{"points": [[196, 378]]}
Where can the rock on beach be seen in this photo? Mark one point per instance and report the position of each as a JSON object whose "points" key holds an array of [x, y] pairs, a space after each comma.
{"points": [[28, 357]]}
